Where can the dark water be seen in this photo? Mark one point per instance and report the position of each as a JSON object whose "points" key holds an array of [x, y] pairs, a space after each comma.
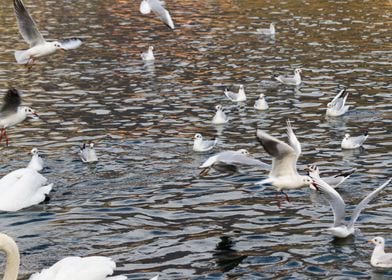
{"points": [[143, 203]]}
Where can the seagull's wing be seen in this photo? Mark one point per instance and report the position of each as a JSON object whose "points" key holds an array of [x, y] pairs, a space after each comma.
{"points": [[334, 198], [293, 141], [385, 260], [210, 161], [284, 157], [70, 43], [339, 100], [238, 158], [365, 202], [27, 26], [145, 7], [285, 79], [161, 12], [358, 140], [231, 95], [12, 101], [335, 180]]}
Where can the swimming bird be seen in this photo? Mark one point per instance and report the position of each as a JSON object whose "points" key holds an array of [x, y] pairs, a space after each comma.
{"points": [[337, 106], [220, 116], [229, 160], [267, 31], [290, 80], [148, 55], [283, 174], [87, 153], [11, 113], [75, 268], [36, 162], [335, 180], [146, 6], [339, 228], [354, 142], [379, 257], [237, 97], [261, 103], [22, 188], [200, 145], [38, 45]]}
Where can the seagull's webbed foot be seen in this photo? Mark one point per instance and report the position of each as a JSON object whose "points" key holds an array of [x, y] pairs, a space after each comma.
{"points": [[204, 172], [287, 197]]}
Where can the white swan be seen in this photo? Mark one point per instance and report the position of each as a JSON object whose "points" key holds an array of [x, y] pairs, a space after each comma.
{"points": [[75, 268], [22, 188]]}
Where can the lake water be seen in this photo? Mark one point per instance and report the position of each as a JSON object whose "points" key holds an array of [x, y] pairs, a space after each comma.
{"points": [[143, 203]]}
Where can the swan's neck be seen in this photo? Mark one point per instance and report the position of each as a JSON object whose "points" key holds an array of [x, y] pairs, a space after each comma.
{"points": [[8, 245]]}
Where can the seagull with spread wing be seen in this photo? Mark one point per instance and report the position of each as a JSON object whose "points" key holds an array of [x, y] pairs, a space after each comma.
{"points": [[38, 45]]}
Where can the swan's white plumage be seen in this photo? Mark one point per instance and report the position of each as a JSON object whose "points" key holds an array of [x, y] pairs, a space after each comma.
{"points": [[22, 188]]}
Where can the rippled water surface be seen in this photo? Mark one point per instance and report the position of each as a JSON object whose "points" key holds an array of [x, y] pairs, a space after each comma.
{"points": [[144, 203]]}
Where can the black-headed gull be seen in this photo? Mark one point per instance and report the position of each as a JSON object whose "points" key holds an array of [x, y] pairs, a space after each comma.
{"points": [[267, 31], [146, 6], [237, 97], [36, 162], [335, 180], [11, 113], [201, 145], [283, 174], [353, 142], [337, 106], [227, 161], [38, 45], [220, 117], [148, 55], [290, 80], [379, 257], [340, 229], [261, 103], [87, 153]]}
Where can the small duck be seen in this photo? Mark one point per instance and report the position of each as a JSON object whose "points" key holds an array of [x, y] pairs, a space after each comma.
{"points": [[261, 103], [220, 116], [87, 153], [200, 145], [354, 142], [148, 55]]}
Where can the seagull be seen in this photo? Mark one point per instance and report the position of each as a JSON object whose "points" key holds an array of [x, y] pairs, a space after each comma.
{"points": [[261, 103], [148, 55], [38, 45], [11, 113], [36, 162], [335, 180], [340, 229], [267, 31], [228, 161], [336, 107], [200, 145], [283, 174], [146, 6], [379, 257], [290, 80], [87, 153], [220, 116], [353, 142], [237, 97]]}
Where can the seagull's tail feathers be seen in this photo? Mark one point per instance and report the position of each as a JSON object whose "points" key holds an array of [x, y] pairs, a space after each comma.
{"points": [[265, 181], [21, 57]]}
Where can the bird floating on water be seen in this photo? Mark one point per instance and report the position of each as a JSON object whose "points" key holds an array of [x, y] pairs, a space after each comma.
{"points": [[337, 106], [290, 80], [36, 162], [267, 31], [148, 55], [353, 142], [146, 6], [38, 45], [11, 113], [379, 257], [201, 145], [237, 97], [220, 117], [261, 104], [87, 153]]}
